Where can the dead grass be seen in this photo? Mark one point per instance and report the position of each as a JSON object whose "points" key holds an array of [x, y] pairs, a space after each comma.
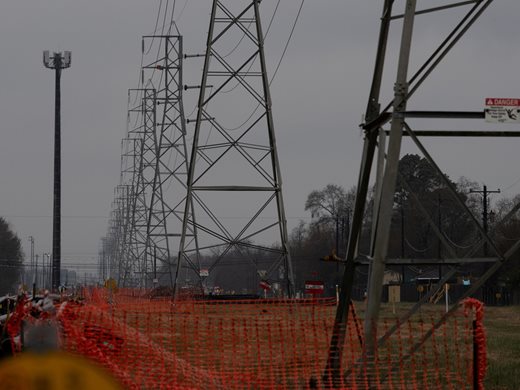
{"points": [[503, 341]]}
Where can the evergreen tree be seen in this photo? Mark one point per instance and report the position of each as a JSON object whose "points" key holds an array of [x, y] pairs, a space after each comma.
{"points": [[11, 258]]}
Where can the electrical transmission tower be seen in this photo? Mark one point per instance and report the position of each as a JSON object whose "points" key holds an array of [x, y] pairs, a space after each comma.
{"points": [[113, 239], [234, 181], [389, 141], [141, 171], [149, 202], [167, 199], [123, 207], [130, 208]]}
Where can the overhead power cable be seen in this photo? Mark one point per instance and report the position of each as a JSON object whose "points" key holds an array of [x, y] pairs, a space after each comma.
{"points": [[156, 25], [244, 34], [512, 185], [414, 248], [288, 41], [277, 66]]}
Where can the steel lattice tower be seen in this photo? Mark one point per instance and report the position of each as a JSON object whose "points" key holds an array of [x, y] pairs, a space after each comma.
{"points": [[142, 122], [114, 239], [123, 206], [236, 163], [167, 200], [382, 149], [129, 221], [126, 241], [129, 175]]}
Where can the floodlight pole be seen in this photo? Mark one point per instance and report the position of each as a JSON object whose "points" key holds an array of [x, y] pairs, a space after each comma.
{"points": [[31, 240], [57, 62]]}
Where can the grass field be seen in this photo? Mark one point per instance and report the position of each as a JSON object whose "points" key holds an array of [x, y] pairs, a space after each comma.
{"points": [[503, 340]]}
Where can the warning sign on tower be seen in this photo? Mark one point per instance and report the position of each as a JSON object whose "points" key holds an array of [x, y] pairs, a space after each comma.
{"points": [[502, 110]]}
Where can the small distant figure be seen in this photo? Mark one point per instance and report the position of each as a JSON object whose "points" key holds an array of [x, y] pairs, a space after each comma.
{"points": [[47, 304]]}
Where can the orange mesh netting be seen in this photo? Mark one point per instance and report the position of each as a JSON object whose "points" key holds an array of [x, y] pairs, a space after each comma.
{"points": [[260, 344], [474, 305]]}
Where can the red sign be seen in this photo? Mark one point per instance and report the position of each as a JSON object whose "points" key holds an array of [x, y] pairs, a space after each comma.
{"points": [[502, 102], [314, 287], [265, 285]]}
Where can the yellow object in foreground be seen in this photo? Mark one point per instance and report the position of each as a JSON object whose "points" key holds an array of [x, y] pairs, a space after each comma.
{"points": [[53, 371], [111, 284]]}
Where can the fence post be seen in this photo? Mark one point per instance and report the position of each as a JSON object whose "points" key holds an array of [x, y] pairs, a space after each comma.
{"points": [[475, 358]]}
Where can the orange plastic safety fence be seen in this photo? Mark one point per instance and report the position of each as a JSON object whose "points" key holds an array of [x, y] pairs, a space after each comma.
{"points": [[479, 337], [262, 344], [257, 344]]}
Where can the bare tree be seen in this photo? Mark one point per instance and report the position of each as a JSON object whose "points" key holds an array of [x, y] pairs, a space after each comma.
{"points": [[330, 204]]}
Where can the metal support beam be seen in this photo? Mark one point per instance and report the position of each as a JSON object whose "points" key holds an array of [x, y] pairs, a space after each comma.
{"points": [[389, 182], [332, 374], [442, 114], [463, 133], [454, 261], [436, 9]]}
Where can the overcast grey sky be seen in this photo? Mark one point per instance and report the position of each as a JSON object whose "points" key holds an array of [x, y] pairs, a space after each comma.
{"points": [[319, 96]]}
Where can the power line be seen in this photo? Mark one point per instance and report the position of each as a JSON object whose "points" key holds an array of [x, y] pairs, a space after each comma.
{"points": [[156, 25], [288, 41], [277, 66], [512, 185], [265, 37], [182, 9]]}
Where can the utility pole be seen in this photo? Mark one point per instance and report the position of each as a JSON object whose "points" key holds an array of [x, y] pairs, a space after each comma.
{"points": [[485, 193], [337, 233], [402, 237], [31, 240], [35, 278], [155, 281], [48, 270], [439, 226], [44, 272], [57, 62]]}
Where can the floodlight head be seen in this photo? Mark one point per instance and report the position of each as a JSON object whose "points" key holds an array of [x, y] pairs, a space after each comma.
{"points": [[66, 61], [46, 59], [58, 60]]}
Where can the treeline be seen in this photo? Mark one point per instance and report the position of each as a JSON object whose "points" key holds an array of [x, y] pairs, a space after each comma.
{"points": [[11, 259], [422, 203]]}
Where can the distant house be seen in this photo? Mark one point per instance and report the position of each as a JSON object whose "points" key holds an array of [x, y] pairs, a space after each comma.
{"points": [[427, 277]]}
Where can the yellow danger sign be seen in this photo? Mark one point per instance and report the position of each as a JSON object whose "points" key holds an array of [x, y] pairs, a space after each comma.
{"points": [[53, 371]]}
